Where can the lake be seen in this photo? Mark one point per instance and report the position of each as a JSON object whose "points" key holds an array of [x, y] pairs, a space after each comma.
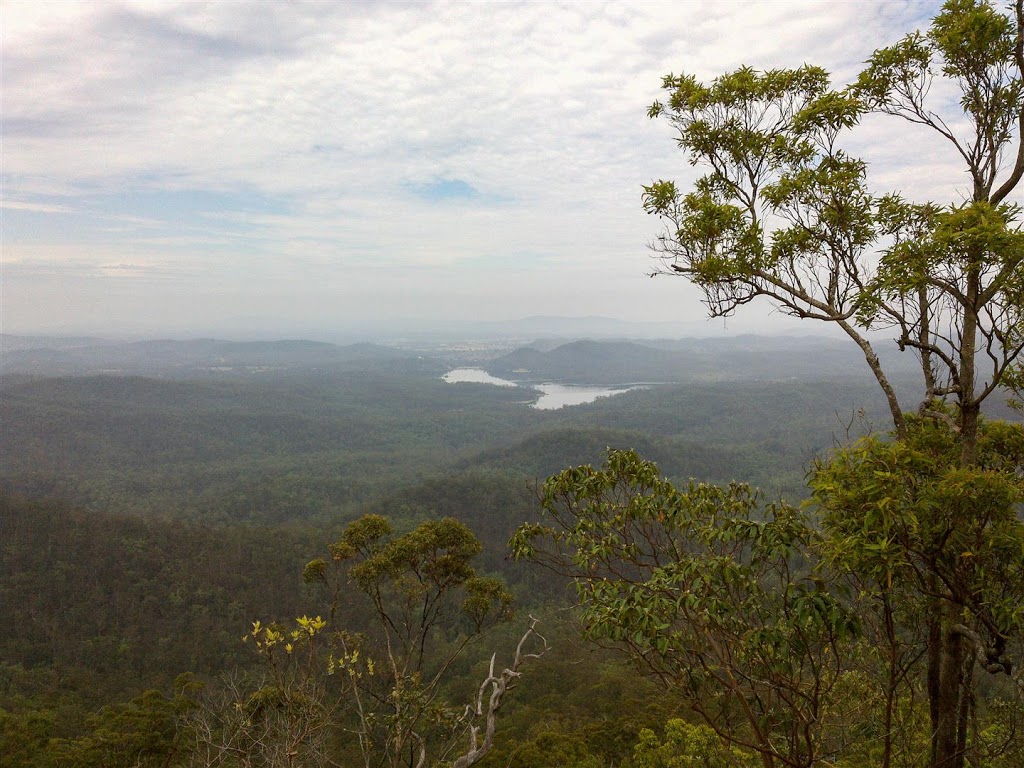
{"points": [[476, 376], [551, 396]]}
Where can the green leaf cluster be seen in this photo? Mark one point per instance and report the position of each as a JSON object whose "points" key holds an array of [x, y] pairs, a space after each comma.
{"points": [[705, 587], [906, 512]]}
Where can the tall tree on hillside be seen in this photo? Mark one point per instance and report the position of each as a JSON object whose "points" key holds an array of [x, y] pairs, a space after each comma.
{"points": [[427, 605], [784, 212], [700, 586], [328, 692]]}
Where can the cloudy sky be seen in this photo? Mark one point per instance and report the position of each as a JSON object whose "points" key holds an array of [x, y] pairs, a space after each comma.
{"points": [[276, 168]]}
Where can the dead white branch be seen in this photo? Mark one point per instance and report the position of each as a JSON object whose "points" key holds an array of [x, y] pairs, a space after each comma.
{"points": [[498, 685]]}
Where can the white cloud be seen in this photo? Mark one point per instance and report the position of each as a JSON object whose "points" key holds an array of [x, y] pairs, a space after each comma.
{"points": [[18, 205], [339, 112]]}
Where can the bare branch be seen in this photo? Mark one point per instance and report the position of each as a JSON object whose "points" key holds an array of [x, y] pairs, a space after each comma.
{"points": [[499, 684]]}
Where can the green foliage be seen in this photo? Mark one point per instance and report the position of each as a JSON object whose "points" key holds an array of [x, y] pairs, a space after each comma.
{"points": [[416, 582], [700, 586], [748, 611], [428, 604], [688, 746], [124, 603], [437, 555], [141, 733], [906, 512], [972, 44], [24, 736], [319, 449], [264, 449], [769, 141], [782, 212]]}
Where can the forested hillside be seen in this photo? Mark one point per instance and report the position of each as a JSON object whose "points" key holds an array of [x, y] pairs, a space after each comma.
{"points": [[147, 522], [307, 443], [739, 358], [470, 541]]}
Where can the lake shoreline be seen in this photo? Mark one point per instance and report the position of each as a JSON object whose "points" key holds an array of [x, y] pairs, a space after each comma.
{"points": [[552, 395]]}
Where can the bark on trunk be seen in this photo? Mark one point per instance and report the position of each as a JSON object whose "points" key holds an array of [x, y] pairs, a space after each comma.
{"points": [[934, 671], [949, 752], [950, 682]]}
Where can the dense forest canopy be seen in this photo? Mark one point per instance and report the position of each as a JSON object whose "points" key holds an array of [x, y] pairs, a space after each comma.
{"points": [[793, 552]]}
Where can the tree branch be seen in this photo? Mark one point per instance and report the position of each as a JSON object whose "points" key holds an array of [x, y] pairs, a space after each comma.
{"points": [[499, 684]]}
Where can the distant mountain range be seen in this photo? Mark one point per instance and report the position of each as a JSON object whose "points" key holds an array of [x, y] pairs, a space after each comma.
{"points": [[41, 356], [747, 357], [595, 327], [604, 362]]}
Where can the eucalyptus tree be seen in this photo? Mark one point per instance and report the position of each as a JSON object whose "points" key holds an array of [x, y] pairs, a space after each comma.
{"points": [[333, 689], [702, 587], [427, 605], [936, 551], [783, 212]]}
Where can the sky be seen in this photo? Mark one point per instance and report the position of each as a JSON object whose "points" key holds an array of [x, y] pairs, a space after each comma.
{"points": [[297, 168]]}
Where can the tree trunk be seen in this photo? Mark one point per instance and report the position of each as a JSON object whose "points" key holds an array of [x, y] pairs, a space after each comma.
{"points": [[970, 408], [934, 670], [949, 743], [950, 682]]}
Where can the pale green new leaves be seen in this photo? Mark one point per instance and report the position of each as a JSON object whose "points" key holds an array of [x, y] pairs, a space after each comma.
{"points": [[688, 746], [975, 46], [778, 201]]}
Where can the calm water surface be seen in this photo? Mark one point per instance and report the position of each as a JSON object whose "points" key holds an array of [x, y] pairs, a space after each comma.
{"points": [[476, 376], [552, 396], [558, 395]]}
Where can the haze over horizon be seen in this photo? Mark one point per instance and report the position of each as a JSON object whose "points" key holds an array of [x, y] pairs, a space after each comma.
{"points": [[183, 168]]}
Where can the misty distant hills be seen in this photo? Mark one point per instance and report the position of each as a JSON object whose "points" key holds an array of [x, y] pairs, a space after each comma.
{"points": [[609, 363], [16, 343], [181, 358], [595, 327]]}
